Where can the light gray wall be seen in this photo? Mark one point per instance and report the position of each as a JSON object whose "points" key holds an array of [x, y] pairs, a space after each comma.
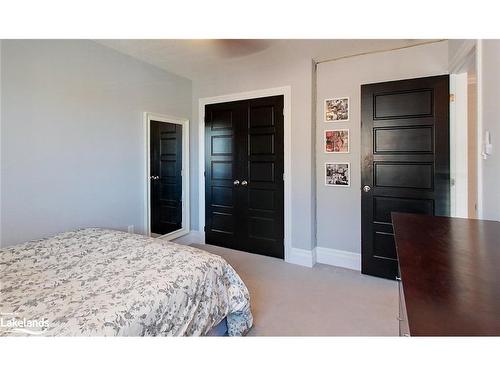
{"points": [[491, 122], [339, 208], [72, 136]]}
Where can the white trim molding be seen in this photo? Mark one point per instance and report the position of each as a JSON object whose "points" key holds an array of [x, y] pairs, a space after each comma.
{"points": [[479, 88], [338, 258], [459, 197], [193, 236], [324, 255], [286, 92], [302, 257], [186, 225]]}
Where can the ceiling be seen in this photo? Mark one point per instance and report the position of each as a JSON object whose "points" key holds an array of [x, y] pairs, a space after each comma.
{"points": [[195, 58]]}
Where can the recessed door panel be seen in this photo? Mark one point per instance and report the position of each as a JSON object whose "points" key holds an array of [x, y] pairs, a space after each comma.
{"points": [[262, 144], [222, 222], [262, 171], [261, 199], [384, 206], [262, 116], [383, 245], [403, 139], [222, 170], [261, 228], [403, 175], [222, 145], [222, 196], [414, 103]]}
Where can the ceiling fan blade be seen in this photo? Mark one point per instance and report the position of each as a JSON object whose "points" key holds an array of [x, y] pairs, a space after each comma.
{"points": [[231, 48]]}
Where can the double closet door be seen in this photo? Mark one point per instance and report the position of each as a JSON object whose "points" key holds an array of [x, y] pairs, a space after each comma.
{"points": [[244, 166]]}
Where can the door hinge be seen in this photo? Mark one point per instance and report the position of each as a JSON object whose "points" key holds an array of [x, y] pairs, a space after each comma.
{"points": [[452, 98], [204, 174]]}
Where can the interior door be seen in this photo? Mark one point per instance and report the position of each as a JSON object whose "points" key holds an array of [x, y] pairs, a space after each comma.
{"points": [[244, 165], [224, 124], [405, 161], [166, 177]]}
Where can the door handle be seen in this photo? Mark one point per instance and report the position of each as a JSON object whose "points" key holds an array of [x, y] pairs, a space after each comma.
{"points": [[236, 182], [244, 183], [366, 188]]}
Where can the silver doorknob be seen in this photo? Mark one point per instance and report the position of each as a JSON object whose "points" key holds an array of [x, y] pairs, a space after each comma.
{"points": [[236, 182], [244, 183], [366, 188]]}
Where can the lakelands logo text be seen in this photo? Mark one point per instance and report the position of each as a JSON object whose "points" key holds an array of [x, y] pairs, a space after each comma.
{"points": [[13, 323]]}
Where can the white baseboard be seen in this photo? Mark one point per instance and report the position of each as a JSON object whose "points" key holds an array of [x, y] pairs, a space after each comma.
{"points": [[324, 255], [193, 236], [339, 258], [301, 257]]}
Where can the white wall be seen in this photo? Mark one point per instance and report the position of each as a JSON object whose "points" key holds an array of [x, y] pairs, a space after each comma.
{"points": [[339, 209], [72, 137], [490, 84]]}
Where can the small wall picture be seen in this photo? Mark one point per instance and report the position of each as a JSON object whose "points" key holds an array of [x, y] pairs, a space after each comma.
{"points": [[337, 109], [337, 141], [337, 174]]}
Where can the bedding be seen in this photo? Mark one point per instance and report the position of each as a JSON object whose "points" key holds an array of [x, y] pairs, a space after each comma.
{"points": [[98, 282]]}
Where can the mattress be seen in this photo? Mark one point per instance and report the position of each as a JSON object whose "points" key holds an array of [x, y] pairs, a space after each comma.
{"points": [[99, 282]]}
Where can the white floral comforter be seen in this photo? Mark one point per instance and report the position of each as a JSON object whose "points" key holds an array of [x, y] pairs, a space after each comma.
{"points": [[96, 282]]}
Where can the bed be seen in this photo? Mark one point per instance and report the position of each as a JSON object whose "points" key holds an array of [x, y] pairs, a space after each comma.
{"points": [[99, 282]]}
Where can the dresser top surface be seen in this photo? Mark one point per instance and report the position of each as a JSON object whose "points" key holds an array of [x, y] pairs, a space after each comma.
{"points": [[450, 270]]}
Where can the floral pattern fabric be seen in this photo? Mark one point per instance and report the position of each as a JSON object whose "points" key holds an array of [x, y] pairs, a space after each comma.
{"points": [[98, 282]]}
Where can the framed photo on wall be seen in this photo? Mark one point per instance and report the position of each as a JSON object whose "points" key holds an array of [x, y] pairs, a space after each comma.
{"points": [[337, 141], [337, 109], [337, 174]]}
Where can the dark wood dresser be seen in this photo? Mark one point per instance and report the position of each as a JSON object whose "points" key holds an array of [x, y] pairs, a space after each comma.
{"points": [[449, 275]]}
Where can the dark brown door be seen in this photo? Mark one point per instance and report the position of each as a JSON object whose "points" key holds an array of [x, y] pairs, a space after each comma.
{"points": [[405, 161], [244, 175], [166, 177]]}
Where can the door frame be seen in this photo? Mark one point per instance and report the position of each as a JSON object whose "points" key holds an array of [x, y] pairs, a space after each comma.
{"points": [[285, 91], [469, 50], [184, 122]]}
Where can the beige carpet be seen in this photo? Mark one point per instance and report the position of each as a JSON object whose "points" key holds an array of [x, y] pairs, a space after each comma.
{"points": [[290, 300]]}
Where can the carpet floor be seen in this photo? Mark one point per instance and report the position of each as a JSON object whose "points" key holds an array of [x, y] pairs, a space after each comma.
{"points": [[291, 300]]}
